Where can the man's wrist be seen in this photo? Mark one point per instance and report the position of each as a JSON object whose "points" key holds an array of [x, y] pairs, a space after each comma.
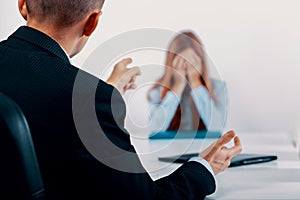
{"points": [[115, 85]]}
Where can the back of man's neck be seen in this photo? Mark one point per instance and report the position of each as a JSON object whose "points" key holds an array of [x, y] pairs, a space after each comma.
{"points": [[62, 37]]}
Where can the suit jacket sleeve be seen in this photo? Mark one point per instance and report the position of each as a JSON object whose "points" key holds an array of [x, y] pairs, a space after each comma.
{"points": [[190, 181], [37, 73]]}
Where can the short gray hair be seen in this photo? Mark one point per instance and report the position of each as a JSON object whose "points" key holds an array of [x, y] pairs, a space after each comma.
{"points": [[63, 13]]}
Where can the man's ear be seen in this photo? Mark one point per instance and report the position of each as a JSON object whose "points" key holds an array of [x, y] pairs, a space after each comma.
{"points": [[23, 8], [91, 23]]}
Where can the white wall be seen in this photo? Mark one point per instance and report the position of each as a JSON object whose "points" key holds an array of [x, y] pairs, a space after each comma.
{"points": [[254, 43]]}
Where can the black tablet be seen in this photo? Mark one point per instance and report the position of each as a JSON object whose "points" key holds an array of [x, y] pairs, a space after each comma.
{"points": [[238, 160]]}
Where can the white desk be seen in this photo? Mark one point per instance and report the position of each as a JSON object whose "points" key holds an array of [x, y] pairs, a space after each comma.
{"points": [[274, 180]]}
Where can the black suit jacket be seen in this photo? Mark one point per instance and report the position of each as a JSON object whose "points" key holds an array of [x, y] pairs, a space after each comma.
{"points": [[36, 73]]}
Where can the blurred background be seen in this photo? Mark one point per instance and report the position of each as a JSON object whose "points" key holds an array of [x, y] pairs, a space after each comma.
{"points": [[254, 44]]}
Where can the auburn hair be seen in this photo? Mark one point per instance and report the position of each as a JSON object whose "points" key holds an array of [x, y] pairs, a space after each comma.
{"points": [[181, 42]]}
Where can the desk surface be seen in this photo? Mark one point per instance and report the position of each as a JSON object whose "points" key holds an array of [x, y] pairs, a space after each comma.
{"points": [[278, 179]]}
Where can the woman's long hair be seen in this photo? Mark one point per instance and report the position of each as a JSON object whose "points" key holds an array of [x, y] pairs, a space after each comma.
{"points": [[181, 42]]}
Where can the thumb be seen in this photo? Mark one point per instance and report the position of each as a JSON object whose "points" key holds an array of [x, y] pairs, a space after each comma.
{"points": [[226, 138], [126, 61], [207, 150]]}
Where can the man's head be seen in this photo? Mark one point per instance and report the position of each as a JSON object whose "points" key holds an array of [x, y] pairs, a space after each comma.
{"points": [[61, 19], [62, 12]]}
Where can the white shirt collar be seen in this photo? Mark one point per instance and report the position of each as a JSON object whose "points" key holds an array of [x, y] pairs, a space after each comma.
{"points": [[66, 53]]}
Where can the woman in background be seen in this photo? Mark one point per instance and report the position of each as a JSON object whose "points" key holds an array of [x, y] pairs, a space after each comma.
{"points": [[185, 97]]}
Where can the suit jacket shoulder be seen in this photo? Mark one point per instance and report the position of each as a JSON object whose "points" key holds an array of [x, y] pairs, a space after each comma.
{"points": [[53, 94]]}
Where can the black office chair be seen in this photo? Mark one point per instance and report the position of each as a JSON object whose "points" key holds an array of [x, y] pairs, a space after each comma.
{"points": [[20, 176]]}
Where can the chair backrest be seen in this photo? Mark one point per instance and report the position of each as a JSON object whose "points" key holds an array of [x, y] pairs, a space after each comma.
{"points": [[20, 176]]}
